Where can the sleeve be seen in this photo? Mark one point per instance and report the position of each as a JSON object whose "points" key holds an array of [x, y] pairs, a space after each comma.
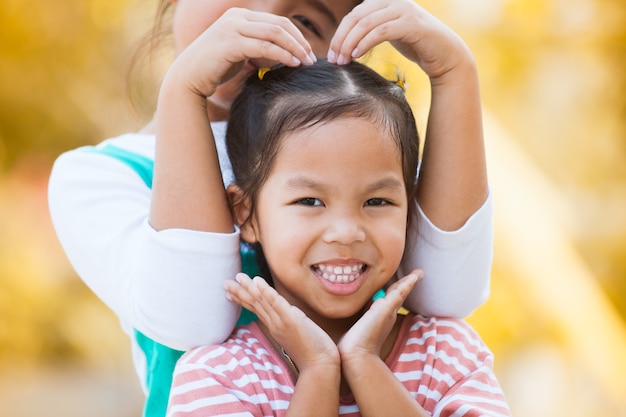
{"points": [[167, 284], [477, 395], [456, 265], [463, 374], [200, 389]]}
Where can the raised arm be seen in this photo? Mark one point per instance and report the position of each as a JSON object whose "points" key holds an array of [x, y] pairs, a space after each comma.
{"points": [[188, 188], [454, 238]]}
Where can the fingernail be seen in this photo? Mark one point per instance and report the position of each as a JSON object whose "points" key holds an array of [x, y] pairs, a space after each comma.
{"points": [[313, 57], [356, 53], [309, 60], [332, 56], [342, 60], [296, 61]]}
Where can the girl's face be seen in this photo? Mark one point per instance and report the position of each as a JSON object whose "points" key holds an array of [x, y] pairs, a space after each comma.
{"points": [[316, 19], [332, 217]]}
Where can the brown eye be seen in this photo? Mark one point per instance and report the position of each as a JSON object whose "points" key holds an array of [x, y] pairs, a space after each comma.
{"points": [[310, 201], [307, 24], [376, 202]]}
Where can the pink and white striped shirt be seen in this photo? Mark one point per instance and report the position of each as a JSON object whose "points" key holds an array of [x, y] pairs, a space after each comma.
{"points": [[443, 363]]}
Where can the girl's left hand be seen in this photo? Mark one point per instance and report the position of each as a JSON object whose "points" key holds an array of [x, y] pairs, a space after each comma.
{"points": [[369, 333], [413, 31]]}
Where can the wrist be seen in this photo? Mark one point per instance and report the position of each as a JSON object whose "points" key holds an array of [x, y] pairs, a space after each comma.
{"points": [[463, 71], [179, 80], [357, 359]]}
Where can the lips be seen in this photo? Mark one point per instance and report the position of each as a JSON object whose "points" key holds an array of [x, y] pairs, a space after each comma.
{"points": [[335, 273]]}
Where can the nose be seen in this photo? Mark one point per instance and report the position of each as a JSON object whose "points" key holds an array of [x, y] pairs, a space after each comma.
{"points": [[346, 229]]}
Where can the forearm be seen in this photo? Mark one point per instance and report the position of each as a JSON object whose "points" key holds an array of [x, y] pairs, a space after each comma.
{"points": [[99, 207], [316, 393], [387, 396], [188, 191], [453, 175]]}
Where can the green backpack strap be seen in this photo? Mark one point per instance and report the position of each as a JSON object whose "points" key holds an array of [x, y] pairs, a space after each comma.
{"points": [[160, 359]]}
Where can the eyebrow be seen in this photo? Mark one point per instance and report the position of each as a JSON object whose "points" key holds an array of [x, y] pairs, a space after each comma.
{"points": [[302, 181], [322, 8], [385, 183]]}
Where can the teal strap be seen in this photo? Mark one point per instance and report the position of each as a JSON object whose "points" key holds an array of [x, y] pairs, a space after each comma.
{"points": [[160, 362], [160, 359], [143, 166]]}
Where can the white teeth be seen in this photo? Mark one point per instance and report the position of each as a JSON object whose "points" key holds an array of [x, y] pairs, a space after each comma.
{"points": [[340, 274]]}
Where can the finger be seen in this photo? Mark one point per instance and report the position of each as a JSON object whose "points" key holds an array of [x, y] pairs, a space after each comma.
{"points": [[400, 289], [238, 290], [397, 293], [278, 38], [381, 26], [346, 25], [368, 32], [353, 27]]}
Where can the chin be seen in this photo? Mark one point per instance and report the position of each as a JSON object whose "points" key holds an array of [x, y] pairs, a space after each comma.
{"points": [[333, 313]]}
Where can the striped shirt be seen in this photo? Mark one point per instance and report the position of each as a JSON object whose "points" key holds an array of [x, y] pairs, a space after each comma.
{"points": [[443, 363]]}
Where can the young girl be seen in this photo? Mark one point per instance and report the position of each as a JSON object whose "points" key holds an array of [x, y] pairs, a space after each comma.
{"points": [[324, 159], [157, 252]]}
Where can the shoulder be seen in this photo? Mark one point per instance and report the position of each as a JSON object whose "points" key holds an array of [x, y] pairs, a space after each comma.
{"points": [[449, 341], [110, 152], [139, 143], [245, 352]]}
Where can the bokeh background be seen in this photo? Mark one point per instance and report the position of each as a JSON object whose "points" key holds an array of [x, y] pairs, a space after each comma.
{"points": [[554, 91]]}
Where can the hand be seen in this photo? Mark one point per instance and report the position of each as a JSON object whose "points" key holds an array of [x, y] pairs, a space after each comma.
{"points": [[238, 35], [369, 333], [306, 343], [413, 31]]}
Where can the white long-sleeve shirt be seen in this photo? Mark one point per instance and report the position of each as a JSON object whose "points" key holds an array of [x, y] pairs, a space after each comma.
{"points": [[168, 284]]}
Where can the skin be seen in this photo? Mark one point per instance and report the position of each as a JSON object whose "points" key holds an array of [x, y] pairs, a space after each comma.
{"points": [[330, 203]]}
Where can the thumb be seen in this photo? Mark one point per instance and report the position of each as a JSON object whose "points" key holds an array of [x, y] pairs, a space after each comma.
{"points": [[403, 287]]}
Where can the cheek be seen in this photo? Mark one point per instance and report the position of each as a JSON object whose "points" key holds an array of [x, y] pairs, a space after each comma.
{"points": [[286, 238], [393, 241]]}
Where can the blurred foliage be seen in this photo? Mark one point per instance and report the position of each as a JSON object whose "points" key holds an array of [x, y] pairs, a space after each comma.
{"points": [[61, 86], [62, 75], [552, 75]]}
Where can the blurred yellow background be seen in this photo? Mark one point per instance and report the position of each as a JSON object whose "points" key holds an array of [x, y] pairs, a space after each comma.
{"points": [[554, 91]]}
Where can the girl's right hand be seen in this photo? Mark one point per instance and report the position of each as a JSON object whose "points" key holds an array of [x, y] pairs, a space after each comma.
{"points": [[239, 35], [414, 32], [307, 344]]}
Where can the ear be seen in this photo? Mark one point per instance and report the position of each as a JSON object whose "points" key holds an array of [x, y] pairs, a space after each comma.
{"points": [[241, 208]]}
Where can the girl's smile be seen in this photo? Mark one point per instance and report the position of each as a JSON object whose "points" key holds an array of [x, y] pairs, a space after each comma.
{"points": [[340, 277]]}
